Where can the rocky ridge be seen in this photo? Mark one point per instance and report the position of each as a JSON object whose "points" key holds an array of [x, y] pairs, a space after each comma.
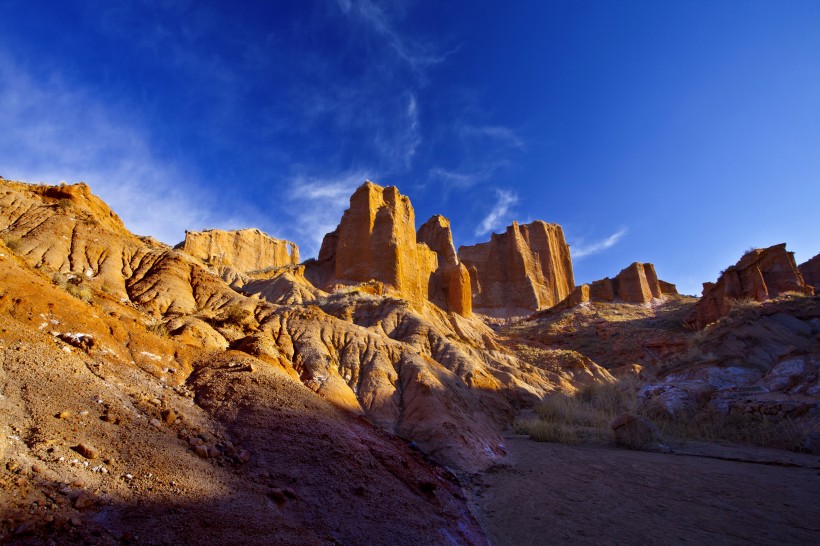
{"points": [[244, 250], [759, 275], [637, 283]]}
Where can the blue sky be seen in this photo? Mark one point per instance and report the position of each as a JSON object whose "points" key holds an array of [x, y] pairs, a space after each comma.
{"points": [[678, 133]]}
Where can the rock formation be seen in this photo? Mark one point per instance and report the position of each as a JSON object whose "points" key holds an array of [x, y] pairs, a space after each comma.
{"points": [[243, 250], [376, 240], [760, 274], [637, 283], [810, 271], [449, 286], [524, 269]]}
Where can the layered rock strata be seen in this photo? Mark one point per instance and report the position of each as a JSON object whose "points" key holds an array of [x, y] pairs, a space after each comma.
{"points": [[526, 268], [760, 274], [449, 286], [637, 283], [243, 250], [376, 240]]}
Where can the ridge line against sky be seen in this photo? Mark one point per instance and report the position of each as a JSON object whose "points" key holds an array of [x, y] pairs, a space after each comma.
{"points": [[679, 134]]}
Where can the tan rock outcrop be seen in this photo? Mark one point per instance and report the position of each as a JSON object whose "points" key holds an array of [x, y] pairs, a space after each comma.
{"points": [[761, 274], [637, 283], [449, 286], [376, 240], [524, 269], [244, 250], [810, 271]]}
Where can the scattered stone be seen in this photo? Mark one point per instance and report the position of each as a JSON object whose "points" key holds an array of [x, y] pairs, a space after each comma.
{"points": [[65, 414], [155, 423], [83, 501], [38, 468], [195, 441], [201, 450], [169, 416], [634, 432], [86, 450]]}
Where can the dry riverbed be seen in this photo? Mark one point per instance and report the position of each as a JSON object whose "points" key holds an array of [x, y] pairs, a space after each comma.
{"points": [[703, 494]]}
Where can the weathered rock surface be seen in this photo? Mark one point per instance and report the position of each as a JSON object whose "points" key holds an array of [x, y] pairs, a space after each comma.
{"points": [[637, 283], [760, 274], [449, 286], [376, 240], [810, 270], [244, 250], [526, 268]]}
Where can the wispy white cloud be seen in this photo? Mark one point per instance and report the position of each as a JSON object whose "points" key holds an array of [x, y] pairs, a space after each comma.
{"points": [[318, 204], [580, 249], [498, 215], [418, 54], [53, 131], [504, 135]]}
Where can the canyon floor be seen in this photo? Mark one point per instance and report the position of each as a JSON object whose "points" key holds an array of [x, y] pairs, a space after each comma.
{"points": [[703, 493]]}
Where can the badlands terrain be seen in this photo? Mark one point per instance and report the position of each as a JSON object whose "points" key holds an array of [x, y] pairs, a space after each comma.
{"points": [[390, 391]]}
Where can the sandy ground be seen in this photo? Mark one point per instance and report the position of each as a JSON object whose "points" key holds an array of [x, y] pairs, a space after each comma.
{"points": [[703, 494]]}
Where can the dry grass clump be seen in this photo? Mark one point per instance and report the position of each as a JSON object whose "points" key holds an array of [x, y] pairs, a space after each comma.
{"points": [[584, 416], [237, 315], [73, 284]]}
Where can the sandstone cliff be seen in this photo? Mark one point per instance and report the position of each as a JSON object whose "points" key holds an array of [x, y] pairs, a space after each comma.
{"points": [[376, 240], [637, 283], [760, 274], [449, 286], [524, 269], [810, 270], [244, 250]]}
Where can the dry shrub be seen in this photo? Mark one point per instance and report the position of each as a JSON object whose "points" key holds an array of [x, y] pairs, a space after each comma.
{"points": [[238, 315], [80, 291]]}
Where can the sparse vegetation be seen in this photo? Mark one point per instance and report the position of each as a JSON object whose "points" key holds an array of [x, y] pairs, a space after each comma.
{"points": [[586, 416], [237, 315], [13, 243], [79, 290]]}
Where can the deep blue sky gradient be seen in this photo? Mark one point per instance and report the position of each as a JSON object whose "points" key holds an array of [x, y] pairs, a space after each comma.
{"points": [[680, 133]]}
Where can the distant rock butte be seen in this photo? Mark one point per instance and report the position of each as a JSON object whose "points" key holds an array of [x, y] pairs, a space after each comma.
{"points": [[810, 271], [760, 274], [449, 286], [637, 283], [526, 268], [376, 240], [244, 250]]}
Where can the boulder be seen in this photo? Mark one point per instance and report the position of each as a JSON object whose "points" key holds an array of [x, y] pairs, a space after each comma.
{"points": [[634, 432], [376, 240], [810, 271], [760, 274], [524, 269], [244, 250]]}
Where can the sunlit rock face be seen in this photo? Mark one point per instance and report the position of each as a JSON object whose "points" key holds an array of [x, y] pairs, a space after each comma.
{"points": [[243, 250], [449, 286], [526, 268], [376, 240]]}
